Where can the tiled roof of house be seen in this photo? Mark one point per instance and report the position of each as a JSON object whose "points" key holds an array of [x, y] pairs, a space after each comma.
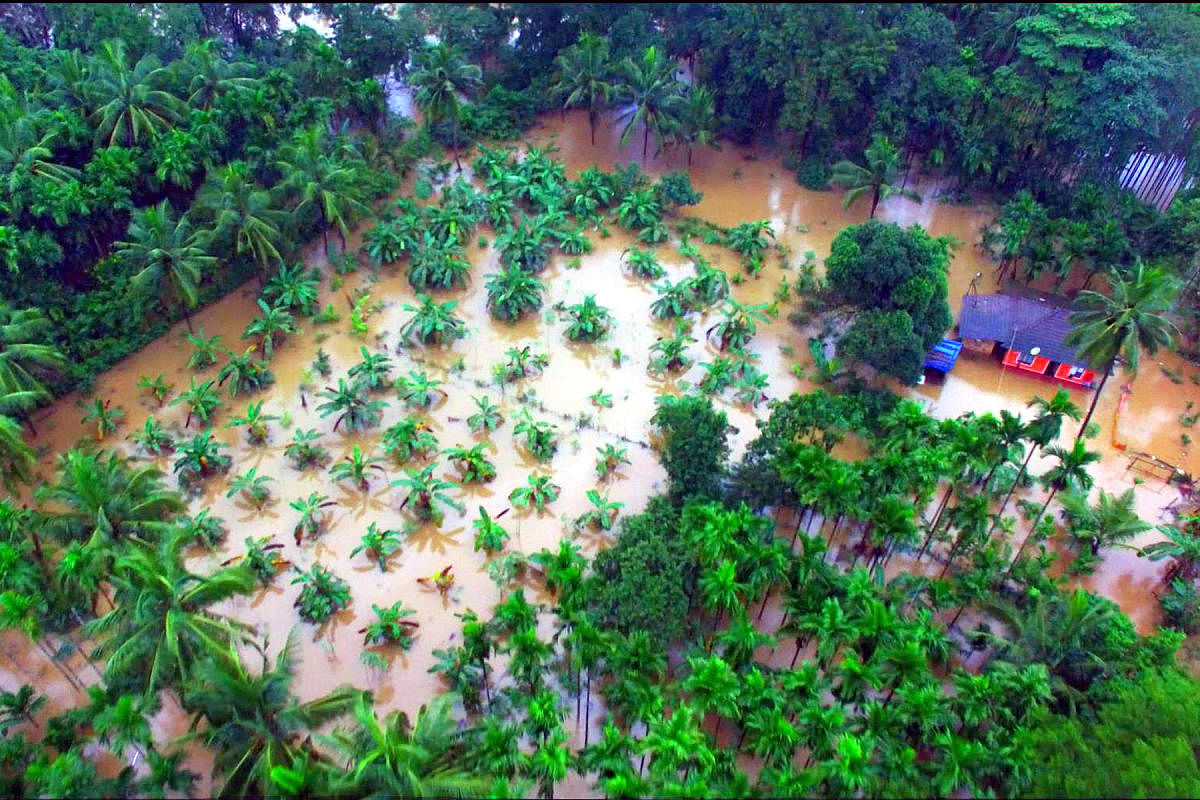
{"points": [[1018, 323]]}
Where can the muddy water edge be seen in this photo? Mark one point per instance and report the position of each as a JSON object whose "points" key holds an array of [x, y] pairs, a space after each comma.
{"points": [[737, 185]]}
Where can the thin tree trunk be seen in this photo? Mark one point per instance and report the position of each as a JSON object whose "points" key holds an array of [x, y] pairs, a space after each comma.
{"points": [[1095, 400], [1032, 530], [587, 709], [645, 140], [1011, 489]]}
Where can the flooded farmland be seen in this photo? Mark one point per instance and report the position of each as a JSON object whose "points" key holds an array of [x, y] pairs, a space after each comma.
{"points": [[737, 186]]}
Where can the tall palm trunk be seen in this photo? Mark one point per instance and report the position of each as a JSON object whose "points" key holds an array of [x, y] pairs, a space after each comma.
{"points": [[1032, 529], [1095, 399], [1011, 489]]}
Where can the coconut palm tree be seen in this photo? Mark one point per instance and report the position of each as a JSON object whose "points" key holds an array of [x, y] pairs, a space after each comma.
{"points": [[1111, 522], [1104, 329], [1182, 547], [165, 251], [878, 178], [698, 123], [315, 181], [254, 722], [583, 75], [103, 497], [395, 758], [651, 86], [243, 214], [25, 359], [440, 77], [162, 625], [129, 109]]}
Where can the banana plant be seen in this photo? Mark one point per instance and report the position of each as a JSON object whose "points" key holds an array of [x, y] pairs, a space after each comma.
{"points": [[590, 321], [490, 536], [255, 423], [244, 374], [538, 490], [200, 458], [313, 515], [409, 437], [356, 468], [642, 263], [749, 240], [262, 557], [487, 418], [426, 494], [438, 265], [539, 436], [205, 350], [379, 545], [352, 405], [253, 486], [751, 387], [602, 514], [304, 452], [669, 354], [718, 375], [523, 363], [269, 328], [674, 299], [157, 387], [433, 322], [205, 529], [610, 458], [106, 416], [601, 399], [322, 594], [418, 389], [390, 627], [153, 438], [372, 373], [472, 463], [293, 289], [201, 399], [738, 323]]}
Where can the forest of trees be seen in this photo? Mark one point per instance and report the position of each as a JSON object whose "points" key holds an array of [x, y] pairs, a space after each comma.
{"points": [[156, 156]]}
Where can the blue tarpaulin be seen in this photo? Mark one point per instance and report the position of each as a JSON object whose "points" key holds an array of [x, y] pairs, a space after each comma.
{"points": [[943, 355]]}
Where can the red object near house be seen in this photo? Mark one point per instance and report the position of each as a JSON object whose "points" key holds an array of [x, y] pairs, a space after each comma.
{"points": [[1027, 362], [1076, 376]]}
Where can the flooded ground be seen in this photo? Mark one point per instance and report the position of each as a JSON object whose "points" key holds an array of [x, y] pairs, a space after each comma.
{"points": [[737, 187]]}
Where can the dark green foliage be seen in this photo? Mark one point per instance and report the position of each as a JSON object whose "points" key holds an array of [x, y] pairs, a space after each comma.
{"points": [[640, 583], [1181, 606], [1143, 743], [813, 173], [886, 341], [695, 445], [881, 265]]}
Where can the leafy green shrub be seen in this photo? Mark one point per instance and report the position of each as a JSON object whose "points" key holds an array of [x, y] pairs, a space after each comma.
{"points": [[814, 173]]}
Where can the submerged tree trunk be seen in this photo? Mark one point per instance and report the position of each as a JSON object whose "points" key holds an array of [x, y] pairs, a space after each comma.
{"points": [[1095, 400]]}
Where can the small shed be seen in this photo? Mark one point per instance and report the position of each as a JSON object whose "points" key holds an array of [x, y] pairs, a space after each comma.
{"points": [[1031, 329], [943, 355]]}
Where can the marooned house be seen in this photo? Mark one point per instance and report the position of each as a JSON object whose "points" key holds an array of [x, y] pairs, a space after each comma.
{"points": [[1030, 330]]}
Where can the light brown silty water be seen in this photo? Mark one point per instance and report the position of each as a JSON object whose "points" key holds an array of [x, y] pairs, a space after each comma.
{"points": [[737, 187]]}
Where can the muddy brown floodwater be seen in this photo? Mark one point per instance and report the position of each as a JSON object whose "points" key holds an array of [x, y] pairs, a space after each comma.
{"points": [[737, 185]]}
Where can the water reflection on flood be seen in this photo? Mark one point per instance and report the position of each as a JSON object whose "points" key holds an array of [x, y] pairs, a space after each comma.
{"points": [[737, 186]]}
